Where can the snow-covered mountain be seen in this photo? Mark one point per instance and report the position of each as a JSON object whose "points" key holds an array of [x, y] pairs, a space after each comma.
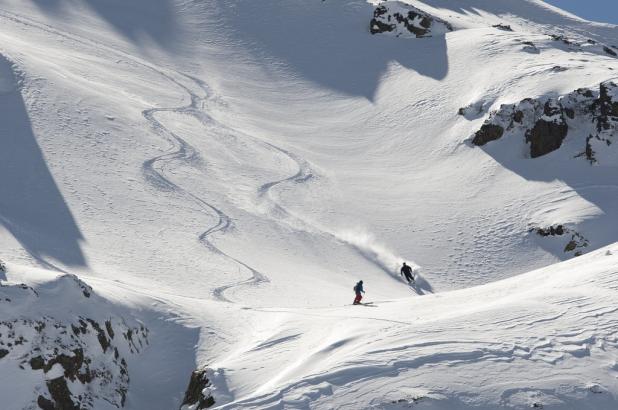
{"points": [[190, 190]]}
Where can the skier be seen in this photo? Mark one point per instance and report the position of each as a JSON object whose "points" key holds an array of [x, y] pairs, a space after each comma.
{"points": [[358, 289], [406, 272]]}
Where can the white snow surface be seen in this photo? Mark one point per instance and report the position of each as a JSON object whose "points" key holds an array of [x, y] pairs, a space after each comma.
{"points": [[224, 172]]}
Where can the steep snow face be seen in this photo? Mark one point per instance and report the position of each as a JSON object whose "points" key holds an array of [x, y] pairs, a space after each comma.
{"points": [[235, 166]]}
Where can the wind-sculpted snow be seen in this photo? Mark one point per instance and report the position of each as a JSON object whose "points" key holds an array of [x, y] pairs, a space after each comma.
{"points": [[427, 354]]}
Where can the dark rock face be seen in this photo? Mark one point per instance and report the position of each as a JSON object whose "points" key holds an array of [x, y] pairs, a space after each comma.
{"points": [[401, 18], [70, 352], [198, 391], [45, 404], [61, 394], [589, 45], [488, 132], [530, 47], [575, 243], [377, 25], [562, 39], [551, 231], [544, 122], [548, 132], [503, 27]]}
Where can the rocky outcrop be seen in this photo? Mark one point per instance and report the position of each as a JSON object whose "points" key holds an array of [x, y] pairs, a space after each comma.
{"points": [[488, 132], [549, 131], [530, 47], [580, 45], [76, 360], [402, 19], [575, 243], [545, 122], [198, 395], [503, 27]]}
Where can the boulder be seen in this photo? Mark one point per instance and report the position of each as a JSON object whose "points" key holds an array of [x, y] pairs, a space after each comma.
{"points": [[488, 132]]}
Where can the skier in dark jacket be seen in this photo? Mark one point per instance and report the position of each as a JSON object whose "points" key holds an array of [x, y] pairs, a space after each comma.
{"points": [[358, 289], [406, 272]]}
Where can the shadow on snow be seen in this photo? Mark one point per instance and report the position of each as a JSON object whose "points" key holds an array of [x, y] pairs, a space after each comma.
{"points": [[32, 207], [337, 52]]}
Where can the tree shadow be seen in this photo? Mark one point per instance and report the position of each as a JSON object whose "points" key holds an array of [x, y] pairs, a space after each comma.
{"points": [[32, 208], [336, 51], [136, 20]]}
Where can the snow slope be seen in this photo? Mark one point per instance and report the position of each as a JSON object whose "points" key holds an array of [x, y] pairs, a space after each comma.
{"points": [[241, 164]]}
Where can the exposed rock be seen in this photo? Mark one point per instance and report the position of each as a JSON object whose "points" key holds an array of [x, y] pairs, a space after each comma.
{"points": [[530, 47], [100, 335], [548, 132], [45, 404], [198, 395], [110, 330], [503, 27], [544, 122], [562, 39], [576, 240], [551, 231], [61, 394], [403, 19], [587, 45], [78, 372], [474, 110], [488, 132]]}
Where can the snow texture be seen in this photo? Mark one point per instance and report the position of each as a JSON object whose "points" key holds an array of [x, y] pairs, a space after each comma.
{"points": [[190, 190]]}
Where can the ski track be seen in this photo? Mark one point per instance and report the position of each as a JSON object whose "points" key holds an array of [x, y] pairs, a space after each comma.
{"points": [[181, 150]]}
